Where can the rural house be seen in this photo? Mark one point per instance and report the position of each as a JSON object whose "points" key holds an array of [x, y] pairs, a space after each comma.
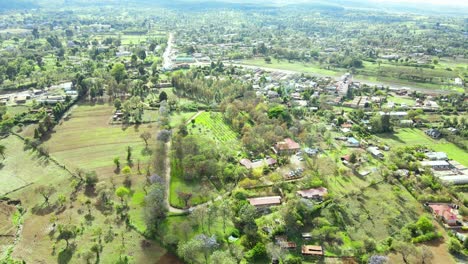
{"points": [[288, 146], [352, 142], [436, 156], [308, 250], [444, 212], [314, 193], [374, 151], [433, 133], [436, 164], [267, 201]]}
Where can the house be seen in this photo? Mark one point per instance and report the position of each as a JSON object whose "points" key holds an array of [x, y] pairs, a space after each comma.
{"points": [[444, 212], [123, 54], [21, 99], [309, 250], [436, 164], [314, 193], [436, 156], [266, 201], [257, 164], [283, 242], [406, 123], [287, 146], [433, 133], [458, 81], [352, 142], [306, 236], [374, 151]]}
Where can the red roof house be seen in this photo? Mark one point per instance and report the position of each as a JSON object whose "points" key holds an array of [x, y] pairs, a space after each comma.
{"points": [[444, 212], [287, 146]]}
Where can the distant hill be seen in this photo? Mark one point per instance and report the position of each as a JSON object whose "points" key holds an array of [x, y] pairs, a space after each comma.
{"points": [[16, 4]]}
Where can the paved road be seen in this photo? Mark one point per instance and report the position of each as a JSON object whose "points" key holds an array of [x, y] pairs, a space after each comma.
{"points": [[167, 56]]}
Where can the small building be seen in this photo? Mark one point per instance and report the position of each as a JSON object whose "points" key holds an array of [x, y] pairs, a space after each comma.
{"points": [[314, 193], [21, 99], [436, 164], [444, 212], [374, 151], [307, 236], [309, 250], [257, 164], [433, 133], [266, 201], [455, 179], [352, 142], [436, 156], [283, 242], [287, 146]]}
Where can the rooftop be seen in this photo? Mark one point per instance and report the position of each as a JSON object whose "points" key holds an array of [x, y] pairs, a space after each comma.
{"points": [[310, 193], [267, 200]]}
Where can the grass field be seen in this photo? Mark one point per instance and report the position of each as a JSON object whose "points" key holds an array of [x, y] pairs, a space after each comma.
{"points": [[213, 125], [409, 137], [292, 66], [87, 140], [21, 168]]}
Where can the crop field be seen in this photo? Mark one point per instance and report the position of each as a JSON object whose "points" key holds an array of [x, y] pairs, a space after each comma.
{"points": [[87, 140], [407, 136], [213, 125], [21, 168]]}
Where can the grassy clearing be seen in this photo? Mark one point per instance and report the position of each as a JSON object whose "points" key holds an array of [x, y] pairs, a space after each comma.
{"points": [[88, 141], [379, 211], [292, 66], [21, 168], [213, 125], [180, 118], [201, 191], [409, 137]]}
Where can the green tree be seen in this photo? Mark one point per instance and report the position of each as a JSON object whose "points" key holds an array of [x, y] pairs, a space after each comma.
{"points": [[162, 96], [66, 233], [119, 72], [145, 136], [117, 163], [122, 192]]}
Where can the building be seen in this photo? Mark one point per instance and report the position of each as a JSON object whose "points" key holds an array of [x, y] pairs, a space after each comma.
{"points": [[444, 212], [352, 142], [288, 146], [314, 193], [374, 151], [436, 156], [436, 164], [308, 250], [266, 201], [257, 164], [433, 133]]}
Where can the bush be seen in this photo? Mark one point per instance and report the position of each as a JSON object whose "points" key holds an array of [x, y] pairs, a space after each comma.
{"points": [[258, 252], [454, 245], [426, 237]]}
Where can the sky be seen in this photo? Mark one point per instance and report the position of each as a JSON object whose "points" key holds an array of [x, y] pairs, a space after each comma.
{"points": [[437, 2]]}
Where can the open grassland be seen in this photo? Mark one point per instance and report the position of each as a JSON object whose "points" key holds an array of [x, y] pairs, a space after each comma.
{"points": [[21, 167], [87, 141], [411, 137], [213, 125], [292, 66]]}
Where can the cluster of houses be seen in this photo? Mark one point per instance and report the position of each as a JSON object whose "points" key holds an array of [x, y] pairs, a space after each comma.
{"points": [[49, 95], [317, 194], [449, 171]]}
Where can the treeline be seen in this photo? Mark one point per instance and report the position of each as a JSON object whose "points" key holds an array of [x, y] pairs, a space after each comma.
{"points": [[196, 84]]}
